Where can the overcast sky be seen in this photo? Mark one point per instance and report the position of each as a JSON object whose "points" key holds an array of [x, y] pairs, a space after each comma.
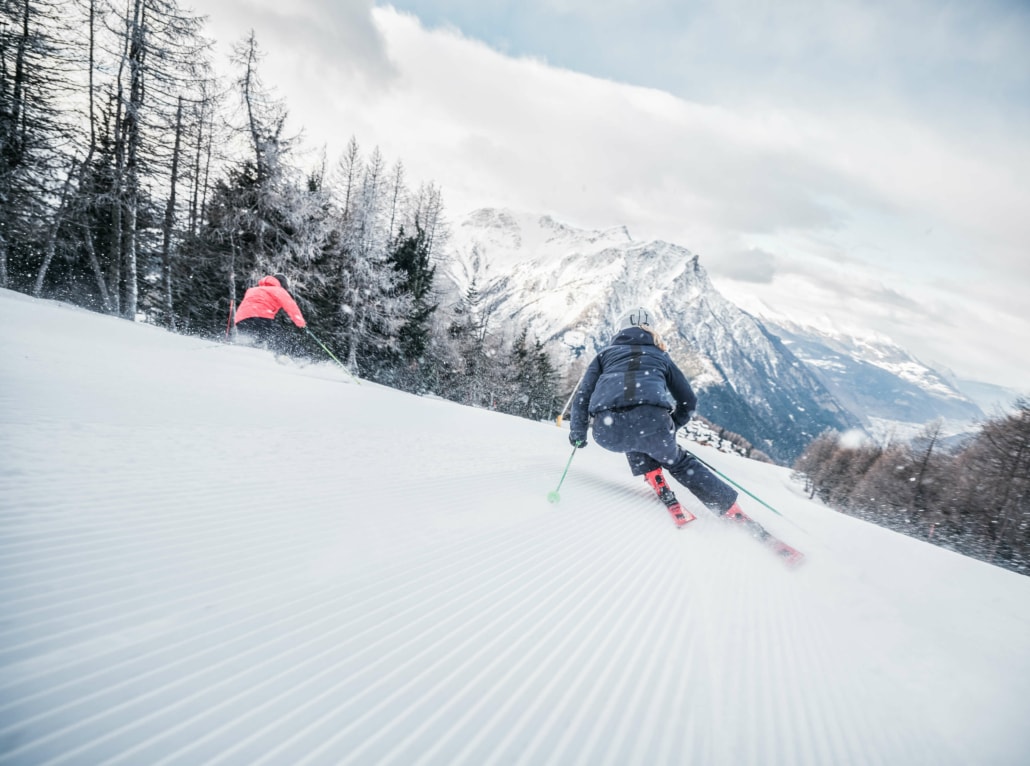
{"points": [[863, 164]]}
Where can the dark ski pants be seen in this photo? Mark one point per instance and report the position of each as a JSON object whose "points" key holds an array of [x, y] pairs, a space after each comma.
{"points": [[264, 333], [647, 436]]}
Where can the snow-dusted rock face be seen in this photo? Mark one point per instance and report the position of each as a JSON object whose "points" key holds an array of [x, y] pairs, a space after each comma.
{"points": [[889, 390], [776, 384], [569, 287]]}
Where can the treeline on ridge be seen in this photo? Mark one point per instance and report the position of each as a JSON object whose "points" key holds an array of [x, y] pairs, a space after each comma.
{"points": [[974, 499]]}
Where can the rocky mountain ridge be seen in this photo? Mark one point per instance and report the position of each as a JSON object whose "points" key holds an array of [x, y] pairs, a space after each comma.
{"points": [[890, 391], [778, 389]]}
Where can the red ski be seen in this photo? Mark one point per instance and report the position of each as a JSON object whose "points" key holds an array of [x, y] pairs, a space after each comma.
{"points": [[680, 515], [791, 556]]}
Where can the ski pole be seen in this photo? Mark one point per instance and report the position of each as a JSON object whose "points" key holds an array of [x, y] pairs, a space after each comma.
{"points": [[332, 355], [561, 414], [554, 497], [228, 324], [750, 494]]}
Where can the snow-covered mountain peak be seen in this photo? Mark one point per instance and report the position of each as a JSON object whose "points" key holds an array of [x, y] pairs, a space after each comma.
{"points": [[872, 348], [777, 381], [515, 237], [571, 286], [828, 330], [891, 391]]}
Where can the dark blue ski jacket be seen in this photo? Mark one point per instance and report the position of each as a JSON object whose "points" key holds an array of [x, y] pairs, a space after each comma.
{"points": [[630, 372]]}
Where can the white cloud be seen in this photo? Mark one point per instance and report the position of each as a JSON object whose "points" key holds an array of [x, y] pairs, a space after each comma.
{"points": [[306, 37], [865, 214]]}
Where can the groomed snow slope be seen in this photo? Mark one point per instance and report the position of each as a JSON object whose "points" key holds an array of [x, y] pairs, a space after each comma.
{"points": [[207, 556]]}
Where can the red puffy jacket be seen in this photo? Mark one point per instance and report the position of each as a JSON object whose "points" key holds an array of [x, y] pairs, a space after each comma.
{"points": [[265, 300]]}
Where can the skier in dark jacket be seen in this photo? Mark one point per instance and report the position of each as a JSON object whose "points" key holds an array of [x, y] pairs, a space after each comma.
{"points": [[255, 316], [638, 398]]}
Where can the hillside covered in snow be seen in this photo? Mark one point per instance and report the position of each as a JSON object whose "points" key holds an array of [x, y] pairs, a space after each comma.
{"points": [[209, 556]]}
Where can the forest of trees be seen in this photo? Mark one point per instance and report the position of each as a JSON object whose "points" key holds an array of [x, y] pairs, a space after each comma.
{"points": [[974, 499], [135, 182]]}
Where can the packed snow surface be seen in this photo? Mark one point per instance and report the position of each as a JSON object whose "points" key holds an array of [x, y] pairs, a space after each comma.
{"points": [[209, 556]]}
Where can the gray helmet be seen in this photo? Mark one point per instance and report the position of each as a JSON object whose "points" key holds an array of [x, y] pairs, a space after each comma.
{"points": [[635, 318]]}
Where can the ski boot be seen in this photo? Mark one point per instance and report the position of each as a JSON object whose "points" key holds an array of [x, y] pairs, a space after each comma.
{"points": [[680, 515]]}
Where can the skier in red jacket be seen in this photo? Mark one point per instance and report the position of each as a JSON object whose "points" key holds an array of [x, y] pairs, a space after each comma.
{"points": [[255, 316]]}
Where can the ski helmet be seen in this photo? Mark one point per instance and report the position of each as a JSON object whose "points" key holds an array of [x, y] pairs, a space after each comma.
{"points": [[282, 281], [635, 318]]}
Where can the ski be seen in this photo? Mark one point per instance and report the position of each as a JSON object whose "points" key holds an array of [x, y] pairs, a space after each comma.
{"points": [[790, 555], [680, 515]]}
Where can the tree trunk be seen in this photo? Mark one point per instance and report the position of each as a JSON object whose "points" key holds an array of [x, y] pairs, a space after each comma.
{"points": [[232, 283], [105, 294], [115, 243], [15, 129], [3, 261], [166, 243], [137, 51], [55, 226], [195, 194]]}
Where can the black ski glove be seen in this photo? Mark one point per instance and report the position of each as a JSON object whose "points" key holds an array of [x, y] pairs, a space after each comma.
{"points": [[577, 441], [682, 420]]}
